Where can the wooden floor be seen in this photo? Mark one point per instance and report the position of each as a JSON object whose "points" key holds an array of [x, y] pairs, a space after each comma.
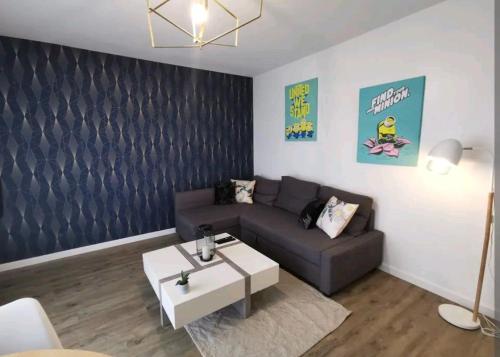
{"points": [[102, 302]]}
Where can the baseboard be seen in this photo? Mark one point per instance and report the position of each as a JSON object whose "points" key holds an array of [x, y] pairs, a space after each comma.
{"points": [[82, 250], [436, 289]]}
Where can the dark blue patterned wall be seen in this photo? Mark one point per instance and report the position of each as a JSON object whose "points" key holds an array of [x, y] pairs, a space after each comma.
{"points": [[93, 146]]}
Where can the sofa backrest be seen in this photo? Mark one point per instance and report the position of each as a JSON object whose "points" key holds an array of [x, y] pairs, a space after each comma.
{"points": [[360, 220], [293, 195]]}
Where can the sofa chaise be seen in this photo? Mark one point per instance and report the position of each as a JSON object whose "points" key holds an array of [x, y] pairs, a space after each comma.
{"points": [[271, 226]]}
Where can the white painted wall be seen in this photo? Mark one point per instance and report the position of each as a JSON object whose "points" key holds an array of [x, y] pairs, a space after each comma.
{"points": [[433, 224]]}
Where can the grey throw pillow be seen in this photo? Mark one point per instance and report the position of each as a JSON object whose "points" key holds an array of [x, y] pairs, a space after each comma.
{"points": [[266, 190], [295, 194]]}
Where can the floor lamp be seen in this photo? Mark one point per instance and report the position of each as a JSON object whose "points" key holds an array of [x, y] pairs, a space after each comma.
{"points": [[442, 158]]}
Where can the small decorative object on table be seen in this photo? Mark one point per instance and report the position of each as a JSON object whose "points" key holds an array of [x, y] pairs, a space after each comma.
{"points": [[205, 242], [183, 283]]}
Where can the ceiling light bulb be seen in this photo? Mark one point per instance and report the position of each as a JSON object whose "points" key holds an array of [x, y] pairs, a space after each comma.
{"points": [[199, 13]]}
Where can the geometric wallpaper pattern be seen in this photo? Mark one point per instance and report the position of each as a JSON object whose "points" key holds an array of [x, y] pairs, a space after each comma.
{"points": [[93, 146]]}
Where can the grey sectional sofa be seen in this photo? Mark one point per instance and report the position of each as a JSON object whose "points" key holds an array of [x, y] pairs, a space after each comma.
{"points": [[271, 226]]}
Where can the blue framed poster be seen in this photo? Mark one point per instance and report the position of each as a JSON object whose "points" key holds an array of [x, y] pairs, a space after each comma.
{"points": [[390, 121], [301, 111]]}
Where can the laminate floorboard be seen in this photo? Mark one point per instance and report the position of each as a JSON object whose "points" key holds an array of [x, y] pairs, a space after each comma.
{"points": [[102, 302]]}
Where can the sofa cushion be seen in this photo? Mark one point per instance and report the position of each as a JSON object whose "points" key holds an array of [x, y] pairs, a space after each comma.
{"points": [[358, 223], [266, 190], [219, 216], [336, 216], [225, 193], [295, 194], [244, 190], [282, 228], [310, 214]]}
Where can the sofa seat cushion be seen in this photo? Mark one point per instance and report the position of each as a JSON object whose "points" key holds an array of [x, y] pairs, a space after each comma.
{"points": [[295, 194], [282, 228], [219, 216]]}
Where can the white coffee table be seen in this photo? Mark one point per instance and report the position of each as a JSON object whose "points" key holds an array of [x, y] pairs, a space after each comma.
{"points": [[235, 273]]}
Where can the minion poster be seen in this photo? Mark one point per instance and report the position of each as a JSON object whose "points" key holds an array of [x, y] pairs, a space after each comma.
{"points": [[390, 120], [301, 111]]}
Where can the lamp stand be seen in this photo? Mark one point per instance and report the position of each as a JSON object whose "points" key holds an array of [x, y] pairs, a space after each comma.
{"points": [[457, 315], [486, 244]]}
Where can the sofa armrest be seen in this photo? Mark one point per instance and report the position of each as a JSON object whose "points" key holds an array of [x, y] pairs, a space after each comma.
{"points": [[193, 199], [346, 262]]}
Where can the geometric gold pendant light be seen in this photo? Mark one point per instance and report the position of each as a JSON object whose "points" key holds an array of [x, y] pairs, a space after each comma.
{"points": [[200, 11]]}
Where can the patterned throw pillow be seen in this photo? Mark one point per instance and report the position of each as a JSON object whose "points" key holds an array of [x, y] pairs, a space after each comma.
{"points": [[335, 216], [244, 191]]}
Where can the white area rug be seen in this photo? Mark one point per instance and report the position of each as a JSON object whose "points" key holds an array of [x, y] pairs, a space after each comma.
{"points": [[287, 320]]}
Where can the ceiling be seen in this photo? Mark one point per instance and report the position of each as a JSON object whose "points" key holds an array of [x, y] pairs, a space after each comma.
{"points": [[288, 29]]}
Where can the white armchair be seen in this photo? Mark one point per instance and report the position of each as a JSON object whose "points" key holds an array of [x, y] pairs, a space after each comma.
{"points": [[24, 326]]}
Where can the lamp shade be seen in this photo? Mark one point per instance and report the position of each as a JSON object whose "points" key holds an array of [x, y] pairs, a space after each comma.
{"points": [[444, 156]]}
